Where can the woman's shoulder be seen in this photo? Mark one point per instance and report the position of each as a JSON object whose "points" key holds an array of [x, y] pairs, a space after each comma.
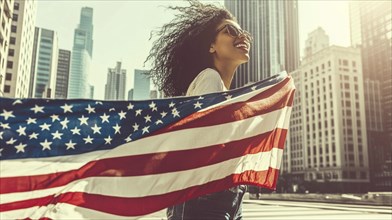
{"points": [[206, 81], [208, 73]]}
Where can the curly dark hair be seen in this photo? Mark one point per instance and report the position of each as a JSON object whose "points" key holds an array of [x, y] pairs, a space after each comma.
{"points": [[182, 49]]}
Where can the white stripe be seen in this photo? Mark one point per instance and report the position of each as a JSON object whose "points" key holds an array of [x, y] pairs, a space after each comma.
{"points": [[240, 98], [158, 184], [61, 211], [171, 141]]}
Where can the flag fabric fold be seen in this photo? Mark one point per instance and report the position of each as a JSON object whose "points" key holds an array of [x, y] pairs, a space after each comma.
{"points": [[91, 159]]}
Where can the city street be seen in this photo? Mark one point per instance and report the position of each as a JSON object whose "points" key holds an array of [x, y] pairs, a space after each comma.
{"points": [[268, 209]]}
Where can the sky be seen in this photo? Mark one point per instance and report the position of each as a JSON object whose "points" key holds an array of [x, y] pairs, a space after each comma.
{"points": [[122, 28]]}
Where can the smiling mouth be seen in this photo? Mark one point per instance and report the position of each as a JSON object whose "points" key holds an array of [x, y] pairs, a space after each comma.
{"points": [[242, 46]]}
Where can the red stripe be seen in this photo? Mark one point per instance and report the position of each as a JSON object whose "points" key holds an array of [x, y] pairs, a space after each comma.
{"points": [[150, 163], [148, 204], [277, 97]]}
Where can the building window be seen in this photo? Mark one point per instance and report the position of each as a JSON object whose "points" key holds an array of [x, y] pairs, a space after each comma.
{"points": [[10, 64], [13, 28], [354, 64], [8, 76], [16, 6], [12, 40], [15, 17], [11, 52], [7, 88]]}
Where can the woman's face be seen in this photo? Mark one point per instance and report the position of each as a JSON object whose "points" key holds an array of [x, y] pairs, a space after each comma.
{"points": [[231, 43]]}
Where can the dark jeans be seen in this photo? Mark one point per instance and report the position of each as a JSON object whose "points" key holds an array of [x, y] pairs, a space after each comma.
{"points": [[224, 205]]}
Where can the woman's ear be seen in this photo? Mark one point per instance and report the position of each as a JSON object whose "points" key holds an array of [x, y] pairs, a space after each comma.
{"points": [[212, 48]]}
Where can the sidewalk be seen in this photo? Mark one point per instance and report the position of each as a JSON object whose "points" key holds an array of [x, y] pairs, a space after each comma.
{"points": [[381, 199]]}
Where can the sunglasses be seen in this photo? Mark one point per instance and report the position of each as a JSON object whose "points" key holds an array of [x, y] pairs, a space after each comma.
{"points": [[235, 32]]}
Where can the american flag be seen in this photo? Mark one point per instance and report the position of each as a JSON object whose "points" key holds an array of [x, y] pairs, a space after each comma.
{"points": [[89, 159]]}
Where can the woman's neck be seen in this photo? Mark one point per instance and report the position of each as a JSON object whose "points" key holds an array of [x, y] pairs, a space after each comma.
{"points": [[226, 71]]}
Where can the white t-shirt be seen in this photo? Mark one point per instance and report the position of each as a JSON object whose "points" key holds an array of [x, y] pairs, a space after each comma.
{"points": [[207, 81]]}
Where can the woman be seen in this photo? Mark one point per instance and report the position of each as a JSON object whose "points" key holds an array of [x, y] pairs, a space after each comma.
{"points": [[197, 53]]}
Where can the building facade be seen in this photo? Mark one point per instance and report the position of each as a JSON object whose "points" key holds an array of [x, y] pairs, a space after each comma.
{"points": [[6, 12], [327, 143], [63, 68], [20, 50], [116, 83], [371, 31], [141, 88], [44, 64], [275, 46], [81, 56]]}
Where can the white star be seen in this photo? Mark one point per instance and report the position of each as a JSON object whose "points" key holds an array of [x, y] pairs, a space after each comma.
{"points": [[99, 103], [130, 106], [90, 109], [88, 140], [33, 136], [1, 149], [228, 97], [5, 126], [122, 114], [108, 140], [46, 145], [145, 129], [104, 118], [117, 129], [112, 109], [31, 121], [163, 114], [148, 118], [64, 123], [128, 139], [200, 97], [11, 141], [55, 118], [153, 106], [37, 109], [18, 101], [45, 127], [138, 112], [135, 127], [1, 135], [175, 113], [67, 108], [70, 145], [254, 88], [171, 105], [159, 122], [83, 120], [20, 147], [57, 135], [198, 104], [96, 129], [75, 131], [21, 131], [7, 114]]}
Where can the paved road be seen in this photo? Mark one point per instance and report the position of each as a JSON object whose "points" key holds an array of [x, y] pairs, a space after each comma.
{"points": [[267, 209]]}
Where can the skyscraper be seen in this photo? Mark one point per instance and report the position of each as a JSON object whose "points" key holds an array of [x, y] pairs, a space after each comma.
{"points": [[44, 64], [370, 25], [274, 25], [328, 139], [63, 67], [141, 88], [6, 10], [20, 49], [81, 56], [116, 83]]}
